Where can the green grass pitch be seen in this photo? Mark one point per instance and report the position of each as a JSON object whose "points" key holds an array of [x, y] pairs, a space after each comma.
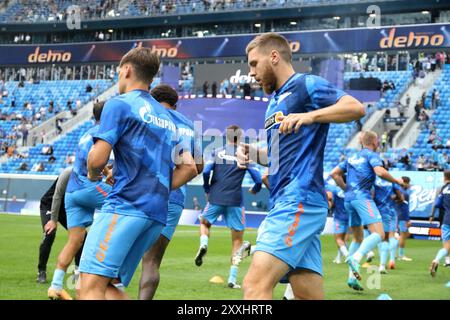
{"points": [[181, 279]]}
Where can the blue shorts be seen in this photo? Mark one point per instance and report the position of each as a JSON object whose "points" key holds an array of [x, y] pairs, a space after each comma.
{"points": [[389, 218], [340, 226], [291, 232], [402, 226], [362, 212], [234, 216], [116, 243], [445, 232], [173, 217], [81, 204]]}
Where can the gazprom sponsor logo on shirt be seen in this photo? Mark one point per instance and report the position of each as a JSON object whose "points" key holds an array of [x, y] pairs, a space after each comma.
{"points": [[145, 113], [186, 132], [382, 183], [356, 161], [222, 155]]}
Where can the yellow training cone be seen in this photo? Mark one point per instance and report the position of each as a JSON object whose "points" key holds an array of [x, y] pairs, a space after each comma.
{"points": [[216, 279]]}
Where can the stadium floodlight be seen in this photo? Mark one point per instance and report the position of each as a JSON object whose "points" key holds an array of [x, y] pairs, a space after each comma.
{"points": [[257, 99], [248, 98], [228, 96], [209, 95], [238, 97], [110, 30], [258, 25], [425, 12], [193, 96], [219, 96], [336, 18], [293, 23], [265, 99]]}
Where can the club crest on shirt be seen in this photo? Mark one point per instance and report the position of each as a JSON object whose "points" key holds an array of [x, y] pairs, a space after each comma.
{"points": [[273, 119]]}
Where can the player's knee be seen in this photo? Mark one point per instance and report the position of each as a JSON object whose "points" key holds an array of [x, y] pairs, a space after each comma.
{"points": [[309, 294]]}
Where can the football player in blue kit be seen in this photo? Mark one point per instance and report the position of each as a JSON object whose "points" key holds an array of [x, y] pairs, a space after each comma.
{"points": [[81, 199], [361, 169], [384, 194], [403, 219], [143, 136], [443, 202], [297, 121], [224, 196], [151, 262]]}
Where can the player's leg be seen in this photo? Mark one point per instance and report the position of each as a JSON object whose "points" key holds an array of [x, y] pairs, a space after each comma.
{"points": [[44, 248], [74, 243], [263, 275], [393, 245], [307, 280], [384, 246], [235, 220], [307, 285], [207, 218], [150, 269], [152, 259], [371, 217], [444, 251], [357, 231], [403, 227], [340, 232]]}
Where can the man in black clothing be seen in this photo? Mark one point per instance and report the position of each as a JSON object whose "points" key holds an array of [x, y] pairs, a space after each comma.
{"points": [[53, 211]]}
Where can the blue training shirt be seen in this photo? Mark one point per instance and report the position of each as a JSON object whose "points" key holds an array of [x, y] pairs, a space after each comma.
{"points": [[142, 134], [225, 188], [360, 174], [185, 132], [296, 159], [403, 208], [384, 190], [78, 178], [443, 202], [339, 212]]}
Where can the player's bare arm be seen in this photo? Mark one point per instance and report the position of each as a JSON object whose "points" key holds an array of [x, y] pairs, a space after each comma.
{"points": [[385, 175], [338, 176], [97, 159], [248, 153], [185, 171], [345, 110]]}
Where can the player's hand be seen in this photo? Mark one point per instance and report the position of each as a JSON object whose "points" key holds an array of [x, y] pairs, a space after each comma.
{"points": [[292, 122], [251, 191], [50, 227], [431, 219], [408, 224], [243, 155], [109, 177]]}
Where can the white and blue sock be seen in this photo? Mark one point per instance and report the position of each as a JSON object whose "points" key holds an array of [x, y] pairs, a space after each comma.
{"points": [[441, 254], [58, 279], [354, 246], [368, 244], [233, 274], [383, 248], [393, 243], [401, 252], [204, 240], [343, 250]]}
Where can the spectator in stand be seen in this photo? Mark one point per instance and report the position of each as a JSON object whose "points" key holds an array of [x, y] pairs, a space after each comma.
{"points": [[432, 137], [51, 107], [47, 150], [417, 109], [38, 167], [434, 156], [423, 99], [88, 88], [408, 100], [51, 159], [423, 118], [421, 163], [23, 166], [384, 141], [444, 162], [447, 144], [70, 159], [58, 126]]}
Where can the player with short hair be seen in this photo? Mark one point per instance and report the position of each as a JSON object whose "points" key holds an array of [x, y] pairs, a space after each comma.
{"points": [[144, 138], [81, 199], [362, 168], [297, 122], [402, 208], [443, 202], [152, 259], [224, 196], [53, 211], [384, 194]]}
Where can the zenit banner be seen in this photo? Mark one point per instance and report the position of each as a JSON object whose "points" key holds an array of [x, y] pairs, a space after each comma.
{"points": [[433, 36]]}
